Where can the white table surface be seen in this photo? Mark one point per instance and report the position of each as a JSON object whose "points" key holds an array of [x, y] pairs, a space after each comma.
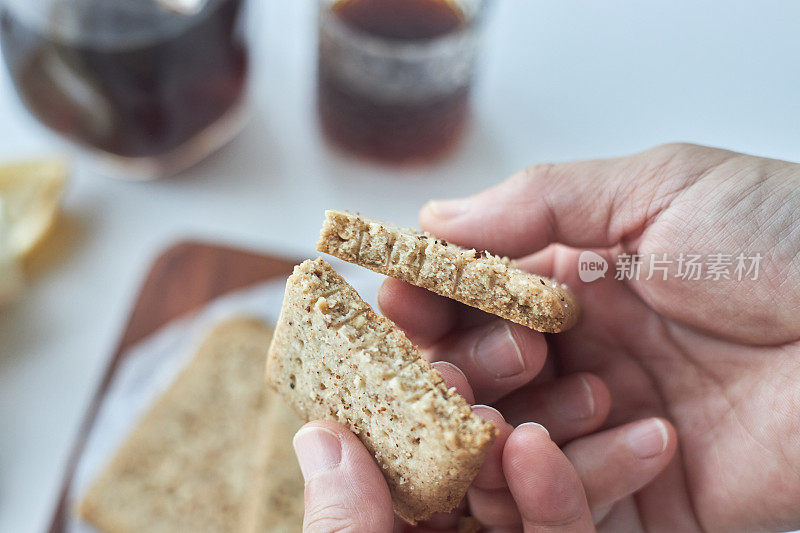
{"points": [[559, 80]]}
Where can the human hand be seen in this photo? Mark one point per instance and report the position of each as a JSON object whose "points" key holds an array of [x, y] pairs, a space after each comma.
{"points": [[720, 359], [525, 475]]}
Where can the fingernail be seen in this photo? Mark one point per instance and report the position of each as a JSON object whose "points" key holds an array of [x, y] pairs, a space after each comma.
{"points": [[537, 426], [318, 450], [441, 365], [573, 406], [648, 438], [448, 208], [498, 354], [479, 406]]}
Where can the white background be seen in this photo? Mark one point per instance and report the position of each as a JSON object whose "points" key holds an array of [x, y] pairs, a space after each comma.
{"points": [[559, 80]]}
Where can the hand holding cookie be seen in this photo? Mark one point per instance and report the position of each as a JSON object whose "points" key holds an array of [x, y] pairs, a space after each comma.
{"points": [[668, 387]]}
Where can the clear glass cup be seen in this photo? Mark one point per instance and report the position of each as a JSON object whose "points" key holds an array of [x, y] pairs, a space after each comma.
{"points": [[394, 76], [148, 87]]}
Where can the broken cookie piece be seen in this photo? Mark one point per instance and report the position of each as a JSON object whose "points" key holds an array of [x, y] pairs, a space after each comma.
{"points": [[476, 278], [333, 357]]}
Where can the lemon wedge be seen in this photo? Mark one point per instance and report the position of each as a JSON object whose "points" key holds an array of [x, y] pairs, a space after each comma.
{"points": [[12, 281], [30, 193], [30, 198]]}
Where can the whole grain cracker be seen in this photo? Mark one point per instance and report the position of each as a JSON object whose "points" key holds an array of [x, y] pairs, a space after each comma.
{"points": [[476, 278], [190, 462], [333, 357]]}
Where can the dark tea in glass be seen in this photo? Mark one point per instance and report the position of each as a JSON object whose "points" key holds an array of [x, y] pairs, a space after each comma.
{"points": [[149, 86], [394, 75]]}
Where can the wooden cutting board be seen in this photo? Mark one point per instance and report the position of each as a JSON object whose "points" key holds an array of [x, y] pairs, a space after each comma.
{"points": [[184, 278]]}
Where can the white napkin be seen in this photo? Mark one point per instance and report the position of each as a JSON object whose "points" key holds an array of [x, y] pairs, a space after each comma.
{"points": [[149, 367]]}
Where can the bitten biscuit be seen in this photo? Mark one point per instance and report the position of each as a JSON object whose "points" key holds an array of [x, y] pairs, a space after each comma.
{"points": [[479, 279], [190, 462], [333, 357]]}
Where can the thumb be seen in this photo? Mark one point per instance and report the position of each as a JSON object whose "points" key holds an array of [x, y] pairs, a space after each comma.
{"points": [[587, 204], [345, 490]]}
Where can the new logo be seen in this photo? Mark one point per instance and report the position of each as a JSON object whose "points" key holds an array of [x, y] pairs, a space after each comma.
{"points": [[591, 266]]}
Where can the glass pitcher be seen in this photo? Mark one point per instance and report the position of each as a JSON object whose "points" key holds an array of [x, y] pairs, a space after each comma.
{"points": [[148, 86]]}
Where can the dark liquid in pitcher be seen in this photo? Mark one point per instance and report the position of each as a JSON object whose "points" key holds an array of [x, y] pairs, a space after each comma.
{"points": [[393, 132], [138, 97]]}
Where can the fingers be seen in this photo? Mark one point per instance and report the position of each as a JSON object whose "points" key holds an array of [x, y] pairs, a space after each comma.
{"points": [[568, 407], [615, 200], [547, 490], [527, 480], [497, 357], [618, 462], [345, 489], [425, 317], [494, 507]]}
